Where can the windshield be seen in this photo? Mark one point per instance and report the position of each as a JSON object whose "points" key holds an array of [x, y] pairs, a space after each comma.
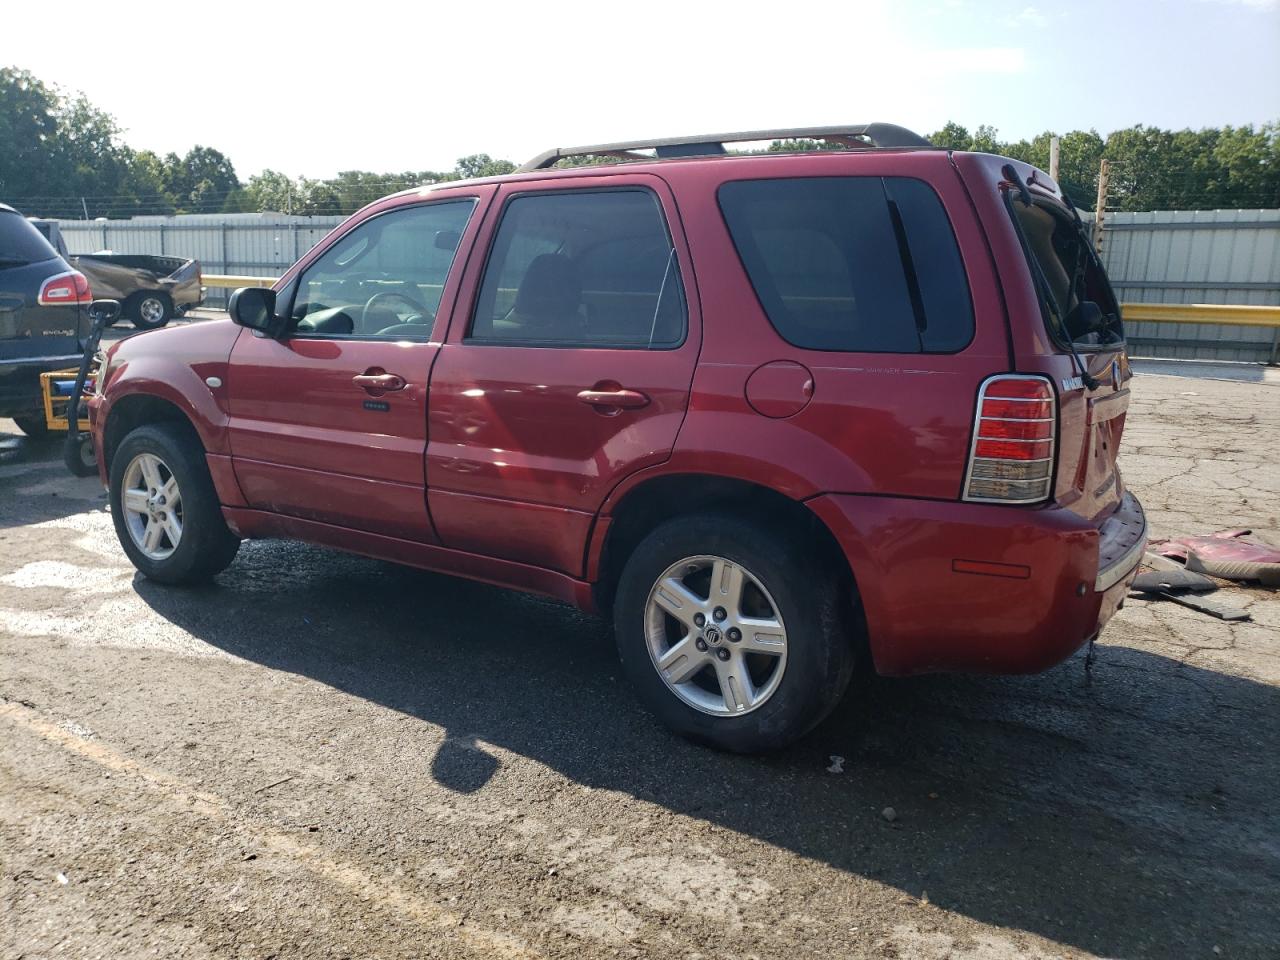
{"points": [[21, 243], [1073, 286]]}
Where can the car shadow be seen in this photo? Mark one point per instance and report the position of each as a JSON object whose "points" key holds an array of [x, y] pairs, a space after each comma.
{"points": [[36, 486], [1133, 815]]}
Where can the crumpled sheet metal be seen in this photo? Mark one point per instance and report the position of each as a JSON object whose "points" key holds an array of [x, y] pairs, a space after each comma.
{"points": [[1227, 555]]}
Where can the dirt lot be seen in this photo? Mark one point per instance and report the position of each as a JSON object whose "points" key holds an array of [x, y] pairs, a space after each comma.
{"points": [[325, 756]]}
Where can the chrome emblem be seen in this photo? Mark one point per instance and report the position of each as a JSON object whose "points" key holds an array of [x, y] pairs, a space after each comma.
{"points": [[1115, 373], [712, 635]]}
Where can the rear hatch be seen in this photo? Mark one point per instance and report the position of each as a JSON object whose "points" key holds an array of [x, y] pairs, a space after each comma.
{"points": [[1070, 329], [28, 329]]}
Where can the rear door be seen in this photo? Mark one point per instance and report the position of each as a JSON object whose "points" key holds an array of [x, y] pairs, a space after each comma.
{"points": [[329, 423], [567, 366]]}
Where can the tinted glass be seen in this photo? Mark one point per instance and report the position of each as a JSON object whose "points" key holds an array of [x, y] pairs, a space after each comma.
{"points": [[852, 263], [21, 243], [588, 268], [385, 277]]}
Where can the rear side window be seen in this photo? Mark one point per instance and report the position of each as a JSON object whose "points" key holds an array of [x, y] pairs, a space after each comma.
{"points": [[21, 243], [860, 264], [591, 268]]}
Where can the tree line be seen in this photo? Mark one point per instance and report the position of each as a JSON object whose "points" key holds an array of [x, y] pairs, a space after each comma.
{"points": [[61, 156]]}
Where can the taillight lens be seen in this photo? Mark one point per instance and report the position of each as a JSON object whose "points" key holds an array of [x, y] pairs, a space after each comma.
{"points": [[70, 287], [1011, 460]]}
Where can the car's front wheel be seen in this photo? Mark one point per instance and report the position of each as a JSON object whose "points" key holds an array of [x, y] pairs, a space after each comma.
{"points": [[165, 509], [733, 633]]}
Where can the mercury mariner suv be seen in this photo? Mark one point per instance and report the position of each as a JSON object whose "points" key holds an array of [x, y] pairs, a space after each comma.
{"points": [[773, 413]]}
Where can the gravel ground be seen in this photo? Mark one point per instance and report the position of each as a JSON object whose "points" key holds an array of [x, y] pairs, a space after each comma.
{"points": [[326, 756]]}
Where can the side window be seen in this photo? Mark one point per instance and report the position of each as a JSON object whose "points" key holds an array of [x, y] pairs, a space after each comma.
{"points": [[385, 277], [586, 268], [859, 264]]}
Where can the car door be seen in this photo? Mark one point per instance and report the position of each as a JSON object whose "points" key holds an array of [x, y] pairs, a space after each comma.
{"points": [[567, 366], [328, 423]]}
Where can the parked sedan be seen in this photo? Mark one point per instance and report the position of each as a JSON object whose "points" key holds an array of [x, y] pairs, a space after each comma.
{"points": [[43, 318]]}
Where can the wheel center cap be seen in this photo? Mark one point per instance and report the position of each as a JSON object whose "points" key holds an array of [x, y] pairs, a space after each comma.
{"points": [[712, 635]]}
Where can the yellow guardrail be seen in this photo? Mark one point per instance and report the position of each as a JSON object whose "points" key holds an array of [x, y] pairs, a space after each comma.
{"points": [[1214, 313], [235, 281], [1235, 315]]}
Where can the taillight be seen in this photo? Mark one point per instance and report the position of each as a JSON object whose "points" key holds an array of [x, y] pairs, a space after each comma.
{"points": [[70, 287], [1011, 460]]}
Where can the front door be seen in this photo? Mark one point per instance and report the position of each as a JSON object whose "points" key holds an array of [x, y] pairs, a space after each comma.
{"points": [[329, 423], [567, 366]]}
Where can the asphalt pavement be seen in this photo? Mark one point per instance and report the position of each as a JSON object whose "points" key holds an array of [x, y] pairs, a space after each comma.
{"points": [[322, 755]]}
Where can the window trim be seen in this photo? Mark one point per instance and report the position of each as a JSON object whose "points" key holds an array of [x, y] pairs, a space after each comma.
{"points": [[295, 285], [881, 178], [469, 340]]}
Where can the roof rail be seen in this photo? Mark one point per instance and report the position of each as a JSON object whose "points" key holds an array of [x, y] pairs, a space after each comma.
{"points": [[880, 135]]}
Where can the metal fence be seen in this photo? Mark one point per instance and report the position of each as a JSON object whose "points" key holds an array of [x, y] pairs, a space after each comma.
{"points": [[249, 244], [1201, 256], [1197, 256]]}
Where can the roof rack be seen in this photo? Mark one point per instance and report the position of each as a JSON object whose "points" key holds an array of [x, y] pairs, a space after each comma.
{"points": [[878, 135]]}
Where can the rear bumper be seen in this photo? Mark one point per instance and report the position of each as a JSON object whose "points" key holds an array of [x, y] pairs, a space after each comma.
{"points": [[991, 589], [20, 382]]}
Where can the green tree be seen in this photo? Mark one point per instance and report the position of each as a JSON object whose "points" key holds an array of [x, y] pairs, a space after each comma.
{"points": [[482, 165]]}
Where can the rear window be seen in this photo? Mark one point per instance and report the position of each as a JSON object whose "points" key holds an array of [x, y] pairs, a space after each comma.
{"points": [[860, 264], [21, 243], [1074, 290]]}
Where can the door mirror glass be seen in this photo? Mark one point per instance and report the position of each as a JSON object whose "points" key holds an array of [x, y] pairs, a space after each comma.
{"points": [[255, 308]]}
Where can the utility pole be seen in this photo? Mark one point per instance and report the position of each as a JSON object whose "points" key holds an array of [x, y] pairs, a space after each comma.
{"points": [[1100, 208], [85, 207], [1055, 144]]}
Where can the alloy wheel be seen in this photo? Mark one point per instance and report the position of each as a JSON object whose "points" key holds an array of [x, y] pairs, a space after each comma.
{"points": [[715, 635], [152, 506]]}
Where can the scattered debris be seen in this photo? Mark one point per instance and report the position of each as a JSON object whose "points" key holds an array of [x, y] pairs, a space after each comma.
{"points": [[1227, 555], [1180, 579], [248, 856], [62, 878], [276, 784], [1219, 610], [837, 764], [889, 814], [1170, 580]]}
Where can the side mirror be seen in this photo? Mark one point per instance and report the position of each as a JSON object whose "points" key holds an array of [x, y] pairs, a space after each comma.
{"points": [[448, 240], [105, 312], [255, 308]]}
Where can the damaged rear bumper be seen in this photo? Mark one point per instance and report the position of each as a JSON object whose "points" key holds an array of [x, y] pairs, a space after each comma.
{"points": [[987, 589]]}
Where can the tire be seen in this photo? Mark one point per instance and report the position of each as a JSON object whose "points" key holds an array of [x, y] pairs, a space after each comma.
{"points": [[79, 457], [786, 583], [147, 459], [149, 309], [33, 426]]}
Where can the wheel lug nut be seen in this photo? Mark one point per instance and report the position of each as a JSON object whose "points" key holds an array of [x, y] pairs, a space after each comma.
{"points": [[719, 613], [735, 634], [699, 620], [722, 653], [700, 644]]}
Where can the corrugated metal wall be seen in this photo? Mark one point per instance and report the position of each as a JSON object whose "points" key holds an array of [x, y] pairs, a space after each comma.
{"points": [[1200, 256], [253, 244], [1196, 256]]}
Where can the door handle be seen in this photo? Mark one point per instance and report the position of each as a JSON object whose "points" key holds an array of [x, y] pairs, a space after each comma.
{"points": [[612, 401], [378, 381]]}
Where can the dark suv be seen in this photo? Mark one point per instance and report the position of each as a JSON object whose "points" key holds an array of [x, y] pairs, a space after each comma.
{"points": [[772, 413], [43, 318]]}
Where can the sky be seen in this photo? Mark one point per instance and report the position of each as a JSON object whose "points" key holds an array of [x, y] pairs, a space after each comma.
{"points": [[312, 89]]}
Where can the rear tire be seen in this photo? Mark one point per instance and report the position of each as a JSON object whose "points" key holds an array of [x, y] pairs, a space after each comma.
{"points": [[149, 309], [165, 508], [34, 427], [794, 651]]}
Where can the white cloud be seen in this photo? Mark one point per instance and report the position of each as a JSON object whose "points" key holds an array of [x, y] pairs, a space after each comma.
{"points": [[1029, 17]]}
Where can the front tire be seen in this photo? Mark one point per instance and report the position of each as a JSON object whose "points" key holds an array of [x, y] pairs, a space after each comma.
{"points": [[165, 509], [735, 634]]}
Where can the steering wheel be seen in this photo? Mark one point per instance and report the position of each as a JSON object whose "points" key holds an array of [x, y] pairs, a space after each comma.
{"points": [[422, 311]]}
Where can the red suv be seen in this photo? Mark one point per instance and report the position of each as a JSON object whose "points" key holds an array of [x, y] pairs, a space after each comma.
{"points": [[772, 412]]}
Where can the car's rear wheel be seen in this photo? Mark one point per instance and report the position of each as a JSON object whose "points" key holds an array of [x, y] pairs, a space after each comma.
{"points": [[33, 426], [149, 309], [733, 633], [165, 509]]}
